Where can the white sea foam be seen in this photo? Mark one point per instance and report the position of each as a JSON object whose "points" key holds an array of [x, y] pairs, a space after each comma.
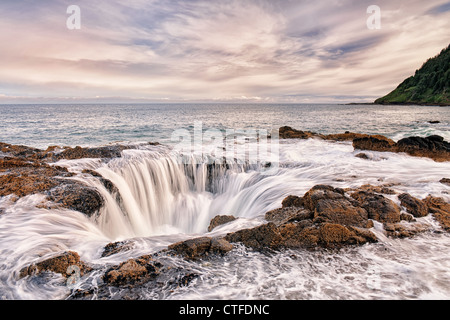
{"points": [[164, 201]]}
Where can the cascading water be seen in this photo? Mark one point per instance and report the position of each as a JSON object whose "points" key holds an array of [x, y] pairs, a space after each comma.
{"points": [[156, 200], [159, 194]]}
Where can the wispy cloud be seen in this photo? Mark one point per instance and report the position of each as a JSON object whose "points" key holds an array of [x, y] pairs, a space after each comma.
{"points": [[261, 50]]}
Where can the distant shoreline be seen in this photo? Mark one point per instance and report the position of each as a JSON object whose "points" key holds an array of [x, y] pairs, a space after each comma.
{"points": [[398, 104]]}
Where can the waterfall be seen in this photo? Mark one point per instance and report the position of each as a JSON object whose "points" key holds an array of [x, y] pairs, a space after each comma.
{"points": [[160, 193]]}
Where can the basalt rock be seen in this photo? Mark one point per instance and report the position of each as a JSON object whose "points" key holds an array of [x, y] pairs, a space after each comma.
{"points": [[59, 264], [291, 133], [413, 205], [25, 171], [116, 247], [374, 143], [201, 247], [287, 132], [133, 272], [347, 136], [288, 214], [378, 207], [220, 220], [17, 151], [402, 230], [332, 205], [68, 153], [261, 237], [328, 217], [292, 201], [432, 147], [303, 234], [440, 210], [78, 197], [23, 178]]}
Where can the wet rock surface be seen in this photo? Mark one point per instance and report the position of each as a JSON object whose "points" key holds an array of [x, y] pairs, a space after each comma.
{"points": [[116, 247], [78, 197], [220, 220], [414, 206], [58, 264], [133, 272], [324, 218], [201, 247], [328, 217], [434, 146], [25, 171]]}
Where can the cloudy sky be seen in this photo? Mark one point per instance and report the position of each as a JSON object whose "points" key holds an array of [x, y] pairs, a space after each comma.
{"points": [[215, 50]]}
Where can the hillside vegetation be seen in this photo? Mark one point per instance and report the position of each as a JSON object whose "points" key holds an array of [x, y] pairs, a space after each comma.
{"points": [[430, 85]]}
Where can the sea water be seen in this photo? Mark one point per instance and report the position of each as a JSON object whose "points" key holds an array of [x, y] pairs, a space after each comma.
{"points": [[163, 201]]}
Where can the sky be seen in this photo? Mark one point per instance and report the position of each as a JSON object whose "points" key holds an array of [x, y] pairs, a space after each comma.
{"points": [[256, 51]]}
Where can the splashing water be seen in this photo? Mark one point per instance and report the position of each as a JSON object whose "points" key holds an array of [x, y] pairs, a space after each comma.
{"points": [[158, 200]]}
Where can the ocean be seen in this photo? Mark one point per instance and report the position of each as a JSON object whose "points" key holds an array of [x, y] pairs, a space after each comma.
{"points": [[98, 124], [165, 202]]}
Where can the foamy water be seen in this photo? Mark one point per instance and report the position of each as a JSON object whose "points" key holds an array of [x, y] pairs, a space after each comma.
{"points": [[163, 201]]}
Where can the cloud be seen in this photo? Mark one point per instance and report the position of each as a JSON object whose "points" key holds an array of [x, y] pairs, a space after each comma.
{"points": [[439, 9], [216, 50]]}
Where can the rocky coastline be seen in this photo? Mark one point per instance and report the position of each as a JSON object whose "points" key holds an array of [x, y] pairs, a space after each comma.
{"points": [[433, 147], [324, 218]]}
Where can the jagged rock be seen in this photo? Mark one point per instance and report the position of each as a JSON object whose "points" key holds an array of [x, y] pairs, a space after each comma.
{"points": [[23, 178], [78, 197], [104, 152], [326, 235], [413, 205], [347, 136], [362, 155], [291, 133], [378, 206], [374, 143], [132, 272], [440, 210], [400, 230], [445, 181], [260, 237], [201, 247], [288, 214], [432, 147], [116, 247], [17, 150], [407, 217], [331, 205], [301, 235], [377, 189], [58, 264], [187, 279], [292, 201], [287, 132], [220, 220], [331, 219]]}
